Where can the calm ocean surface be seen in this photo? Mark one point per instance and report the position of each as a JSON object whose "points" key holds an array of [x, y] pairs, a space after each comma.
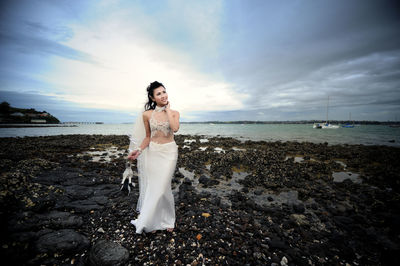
{"points": [[363, 134]]}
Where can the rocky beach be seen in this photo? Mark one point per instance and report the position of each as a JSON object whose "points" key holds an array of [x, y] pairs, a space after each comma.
{"points": [[237, 203]]}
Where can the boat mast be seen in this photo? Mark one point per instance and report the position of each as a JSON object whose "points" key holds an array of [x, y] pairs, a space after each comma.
{"points": [[327, 107]]}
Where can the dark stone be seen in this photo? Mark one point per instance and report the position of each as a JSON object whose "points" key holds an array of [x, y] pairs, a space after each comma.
{"points": [[275, 259], [106, 190], [270, 198], [213, 182], [190, 213], [78, 192], [389, 256], [57, 176], [187, 181], [102, 200], [203, 180], [245, 190], [81, 206], [24, 236], [298, 208], [83, 181], [278, 244], [216, 201], [64, 241], [105, 253], [250, 203], [57, 219], [288, 224], [258, 191], [343, 220], [20, 224]]}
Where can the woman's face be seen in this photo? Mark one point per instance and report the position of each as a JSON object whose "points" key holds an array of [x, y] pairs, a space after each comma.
{"points": [[160, 96]]}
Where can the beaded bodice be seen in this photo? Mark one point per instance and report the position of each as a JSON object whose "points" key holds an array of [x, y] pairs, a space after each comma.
{"points": [[157, 125]]}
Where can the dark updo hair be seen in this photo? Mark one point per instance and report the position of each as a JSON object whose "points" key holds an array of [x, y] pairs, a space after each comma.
{"points": [[151, 105]]}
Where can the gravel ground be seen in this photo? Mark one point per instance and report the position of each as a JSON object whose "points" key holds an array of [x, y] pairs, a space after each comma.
{"points": [[239, 203]]}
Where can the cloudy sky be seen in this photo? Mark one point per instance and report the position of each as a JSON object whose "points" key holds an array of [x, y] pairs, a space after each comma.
{"points": [[219, 60]]}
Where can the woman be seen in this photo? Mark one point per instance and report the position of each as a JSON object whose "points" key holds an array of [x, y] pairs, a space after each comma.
{"points": [[156, 164]]}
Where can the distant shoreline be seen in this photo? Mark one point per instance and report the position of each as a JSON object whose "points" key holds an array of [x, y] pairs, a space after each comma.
{"points": [[299, 122], [33, 125]]}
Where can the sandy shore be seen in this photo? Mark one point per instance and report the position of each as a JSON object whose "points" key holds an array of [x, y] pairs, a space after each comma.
{"points": [[254, 203]]}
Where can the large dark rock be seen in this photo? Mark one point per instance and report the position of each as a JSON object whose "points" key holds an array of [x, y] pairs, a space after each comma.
{"points": [[82, 206], [54, 220], [105, 253], [63, 241], [342, 220], [62, 219], [106, 190], [298, 208], [78, 192], [203, 180], [58, 176]]}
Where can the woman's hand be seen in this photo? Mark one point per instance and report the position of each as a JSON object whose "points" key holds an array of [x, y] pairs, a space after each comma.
{"points": [[133, 155], [168, 106], [173, 117]]}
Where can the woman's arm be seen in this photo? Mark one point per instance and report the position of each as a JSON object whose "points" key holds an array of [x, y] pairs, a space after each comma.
{"points": [[146, 140], [173, 118], [134, 154]]}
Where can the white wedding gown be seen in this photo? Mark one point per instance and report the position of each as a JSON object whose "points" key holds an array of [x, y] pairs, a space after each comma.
{"points": [[156, 202]]}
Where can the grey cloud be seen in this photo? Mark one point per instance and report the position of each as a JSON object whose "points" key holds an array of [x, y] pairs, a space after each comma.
{"points": [[314, 46], [38, 45], [58, 33], [23, 30]]}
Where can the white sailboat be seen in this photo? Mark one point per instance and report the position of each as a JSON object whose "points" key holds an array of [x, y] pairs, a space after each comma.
{"points": [[317, 125], [326, 125], [348, 125]]}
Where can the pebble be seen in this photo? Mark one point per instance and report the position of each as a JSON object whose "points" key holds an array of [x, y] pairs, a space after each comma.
{"points": [[284, 261]]}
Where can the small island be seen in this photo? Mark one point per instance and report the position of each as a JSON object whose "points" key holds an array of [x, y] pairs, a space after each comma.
{"points": [[13, 115]]}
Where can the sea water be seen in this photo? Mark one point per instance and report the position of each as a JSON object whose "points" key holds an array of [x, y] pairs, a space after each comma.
{"points": [[362, 134]]}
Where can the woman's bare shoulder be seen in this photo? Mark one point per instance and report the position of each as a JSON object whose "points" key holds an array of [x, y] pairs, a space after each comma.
{"points": [[175, 112], [147, 113]]}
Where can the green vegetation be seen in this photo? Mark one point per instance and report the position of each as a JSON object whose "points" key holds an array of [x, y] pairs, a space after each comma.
{"points": [[9, 114]]}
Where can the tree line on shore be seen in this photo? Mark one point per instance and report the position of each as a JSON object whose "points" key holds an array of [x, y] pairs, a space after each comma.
{"points": [[9, 114]]}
